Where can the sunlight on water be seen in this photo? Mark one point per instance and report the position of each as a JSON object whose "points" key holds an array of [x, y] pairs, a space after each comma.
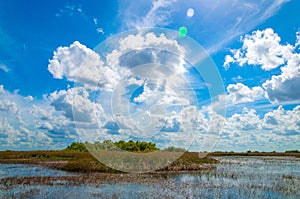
{"points": [[234, 177]]}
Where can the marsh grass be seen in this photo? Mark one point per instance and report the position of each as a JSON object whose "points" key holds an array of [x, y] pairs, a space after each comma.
{"points": [[85, 162], [233, 177]]}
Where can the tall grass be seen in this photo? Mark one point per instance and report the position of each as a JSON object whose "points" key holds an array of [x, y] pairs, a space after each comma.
{"points": [[86, 162]]}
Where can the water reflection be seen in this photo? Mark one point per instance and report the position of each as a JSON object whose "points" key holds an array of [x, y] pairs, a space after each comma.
{"points": [[234, 177]]}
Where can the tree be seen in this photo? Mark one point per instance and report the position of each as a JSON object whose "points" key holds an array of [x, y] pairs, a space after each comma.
{"points": [[109, 145], [77, 146]]}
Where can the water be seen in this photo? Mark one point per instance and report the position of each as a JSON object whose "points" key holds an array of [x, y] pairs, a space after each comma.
{"points": [[19, 170], [234, 177]]}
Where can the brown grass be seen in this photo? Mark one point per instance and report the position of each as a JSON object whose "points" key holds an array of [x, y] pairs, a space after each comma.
{"points": [[84, 162]]}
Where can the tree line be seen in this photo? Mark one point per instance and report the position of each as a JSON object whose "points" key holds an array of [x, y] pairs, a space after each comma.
{"points": [[133, 146]]}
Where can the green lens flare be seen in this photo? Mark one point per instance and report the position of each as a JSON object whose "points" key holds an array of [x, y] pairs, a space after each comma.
{"points": [[183, 31]]}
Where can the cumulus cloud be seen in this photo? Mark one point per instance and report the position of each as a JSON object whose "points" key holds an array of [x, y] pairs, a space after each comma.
{"points": [[283, 122], [261, 48], [23, 127], [8, 107], [135, 81], [150, 47], [82, 65], [285, 87], [75, 104], [240, 93], [275, 130], [246, 121], [222, 21]]}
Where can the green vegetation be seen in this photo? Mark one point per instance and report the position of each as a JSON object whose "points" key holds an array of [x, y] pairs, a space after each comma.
{"points": [[293, 151], [109, 145], [76, 157], [136, 146], [77, 146]]}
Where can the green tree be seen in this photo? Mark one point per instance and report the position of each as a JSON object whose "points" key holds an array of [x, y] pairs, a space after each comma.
{"points": [[77, 146]]}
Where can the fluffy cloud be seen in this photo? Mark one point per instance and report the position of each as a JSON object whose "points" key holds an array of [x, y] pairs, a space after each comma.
{"points": [[8, 106], [152, 48], [134, 81], [283, 122], [240, 93], [275, 130], [32, 124], [285, 87], [229, 18], [248, 120], [82, 65], [262, 48], [76, 105]]}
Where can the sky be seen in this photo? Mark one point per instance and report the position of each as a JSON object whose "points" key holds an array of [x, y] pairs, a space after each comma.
{"points": [[99, 70]]}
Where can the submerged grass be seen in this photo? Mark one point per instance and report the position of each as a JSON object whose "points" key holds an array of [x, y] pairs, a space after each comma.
{"points": [[234, 177], [85, 162]]}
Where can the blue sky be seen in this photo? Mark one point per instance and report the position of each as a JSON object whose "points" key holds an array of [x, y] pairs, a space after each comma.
{"points": [[70, 70]]}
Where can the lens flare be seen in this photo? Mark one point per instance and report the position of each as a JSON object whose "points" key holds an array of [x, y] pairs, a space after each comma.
{"points": [[183, 31], [190, 12]]}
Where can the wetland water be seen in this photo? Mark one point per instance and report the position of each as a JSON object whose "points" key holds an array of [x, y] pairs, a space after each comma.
{"points": [[234, 177]]}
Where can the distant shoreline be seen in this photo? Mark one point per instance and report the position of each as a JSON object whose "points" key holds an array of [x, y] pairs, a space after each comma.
{"points": [[84, 162]]}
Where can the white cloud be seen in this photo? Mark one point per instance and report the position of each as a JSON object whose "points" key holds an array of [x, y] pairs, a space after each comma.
{"points": [[134, 81], [147, 92], [76, 105], [275, 130], [82, 65], [246, 121], [69, 10], [223, 21], [1, 89], [159, 14], [240, 93], [262, 48], [8, 106], [100, 30], [285, 87], [95, 20], [4, 68], [220, 21], [152, 59], [297, 39], [22, 128], [283, 122], [228, 60], [29, 98], [147, 40]]}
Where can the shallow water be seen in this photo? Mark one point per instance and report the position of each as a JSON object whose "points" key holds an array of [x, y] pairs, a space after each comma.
{"points": [[19, 170], [234, 177]]}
